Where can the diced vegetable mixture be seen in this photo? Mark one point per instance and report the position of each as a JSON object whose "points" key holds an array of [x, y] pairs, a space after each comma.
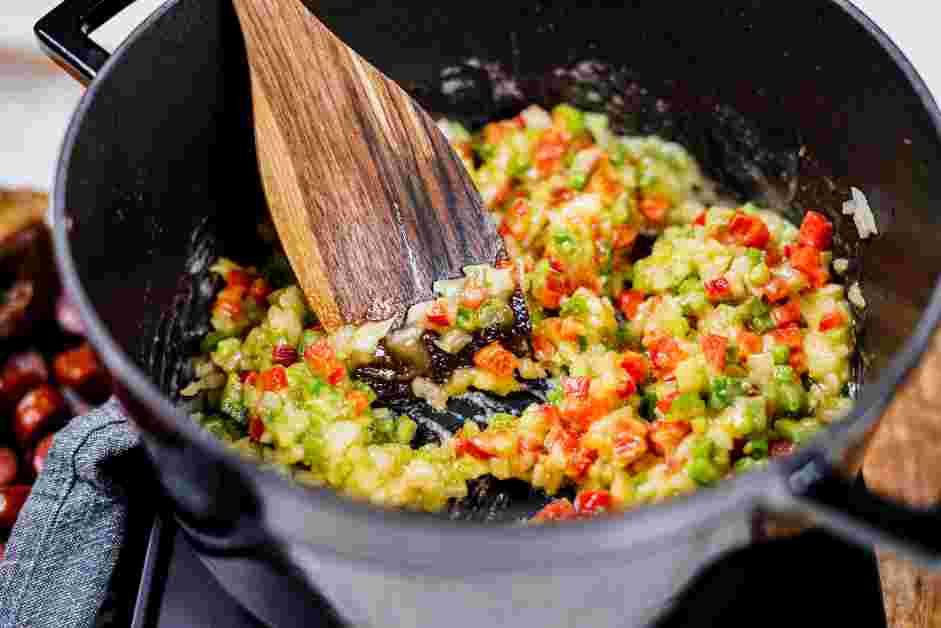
{"points": [[724, 344]]}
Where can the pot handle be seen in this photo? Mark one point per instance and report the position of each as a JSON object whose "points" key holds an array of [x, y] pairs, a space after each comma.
{"points": [[816, 487], [63, 35], [246, 539]]}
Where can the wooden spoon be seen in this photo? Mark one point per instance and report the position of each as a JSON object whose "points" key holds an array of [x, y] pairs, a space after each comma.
{"points": [[370, 202]]}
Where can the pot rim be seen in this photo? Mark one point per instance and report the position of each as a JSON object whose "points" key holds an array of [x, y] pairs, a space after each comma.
{"points": [[334, 524]]}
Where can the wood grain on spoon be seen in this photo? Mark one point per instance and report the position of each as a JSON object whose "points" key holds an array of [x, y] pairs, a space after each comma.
{"points": [[370, 202]]}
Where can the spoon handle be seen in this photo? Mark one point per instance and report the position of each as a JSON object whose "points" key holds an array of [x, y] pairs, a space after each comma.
{"points": [[369, 200]]}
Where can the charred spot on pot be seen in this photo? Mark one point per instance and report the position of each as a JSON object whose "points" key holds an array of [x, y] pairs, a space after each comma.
{"points": [[514, 337], [522, 324], [490, 500], [388, 383]]}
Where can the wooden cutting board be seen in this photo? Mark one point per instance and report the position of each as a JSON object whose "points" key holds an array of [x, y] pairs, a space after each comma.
{"points": [[903, 461]]}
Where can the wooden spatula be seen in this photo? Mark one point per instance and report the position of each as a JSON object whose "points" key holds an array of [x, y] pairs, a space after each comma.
{"points": [[370, 202]]}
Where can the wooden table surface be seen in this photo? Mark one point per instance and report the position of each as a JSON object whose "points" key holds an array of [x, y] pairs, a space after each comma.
{"points": [[904, 462]]}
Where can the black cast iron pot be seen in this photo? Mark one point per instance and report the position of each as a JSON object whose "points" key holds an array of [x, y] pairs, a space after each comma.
{"points": [[791, 101]]}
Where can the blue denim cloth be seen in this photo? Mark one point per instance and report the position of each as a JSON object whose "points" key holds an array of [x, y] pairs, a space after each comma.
{"points": [[67, 539]]}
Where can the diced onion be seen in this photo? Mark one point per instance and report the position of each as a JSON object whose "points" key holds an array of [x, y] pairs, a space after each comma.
{"points": [[495, 313], [453, 341], [858, 207], [430, 392], [586, 159], [597, 125], [855, 295], [406, 344], [536, 118], [500, 281], [582, 206], [339, 436], [449, 287], [203, 367], [367, 337], [342, 341], [223, 265], [454, 131], [209, 382], [416, 313], [760, 368]]}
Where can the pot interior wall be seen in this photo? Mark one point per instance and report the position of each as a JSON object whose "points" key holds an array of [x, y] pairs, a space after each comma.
{"points": [[793, 101]]}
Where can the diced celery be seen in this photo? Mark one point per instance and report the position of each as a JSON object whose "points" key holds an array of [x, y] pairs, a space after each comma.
{"points": [[467, 319], [760, 368], [759, 275], [744, 465], [577, 181], [648, 176], [691, 375], [784, 373], [232, 403], [571, 118], [797, 431], [757, 447], [790, 397], [723, 392], [212, 339], [703, 471], [722, 321], [518, 166], [695, 303], [686, 406], [486, 152], [223, 266], [406, 430], [690, 284], [717, 217], [754, 416], [597, 125], [702, 448], [308, 338], [453, 131], [494, 312], [316, 386], [564, 240], [617, 153], [381, 430], [314, 450], [757, 315], [223, 428], [228, 354], [838, 336], [622, 209], [576, 305], [298, 375], [502, 421]]}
